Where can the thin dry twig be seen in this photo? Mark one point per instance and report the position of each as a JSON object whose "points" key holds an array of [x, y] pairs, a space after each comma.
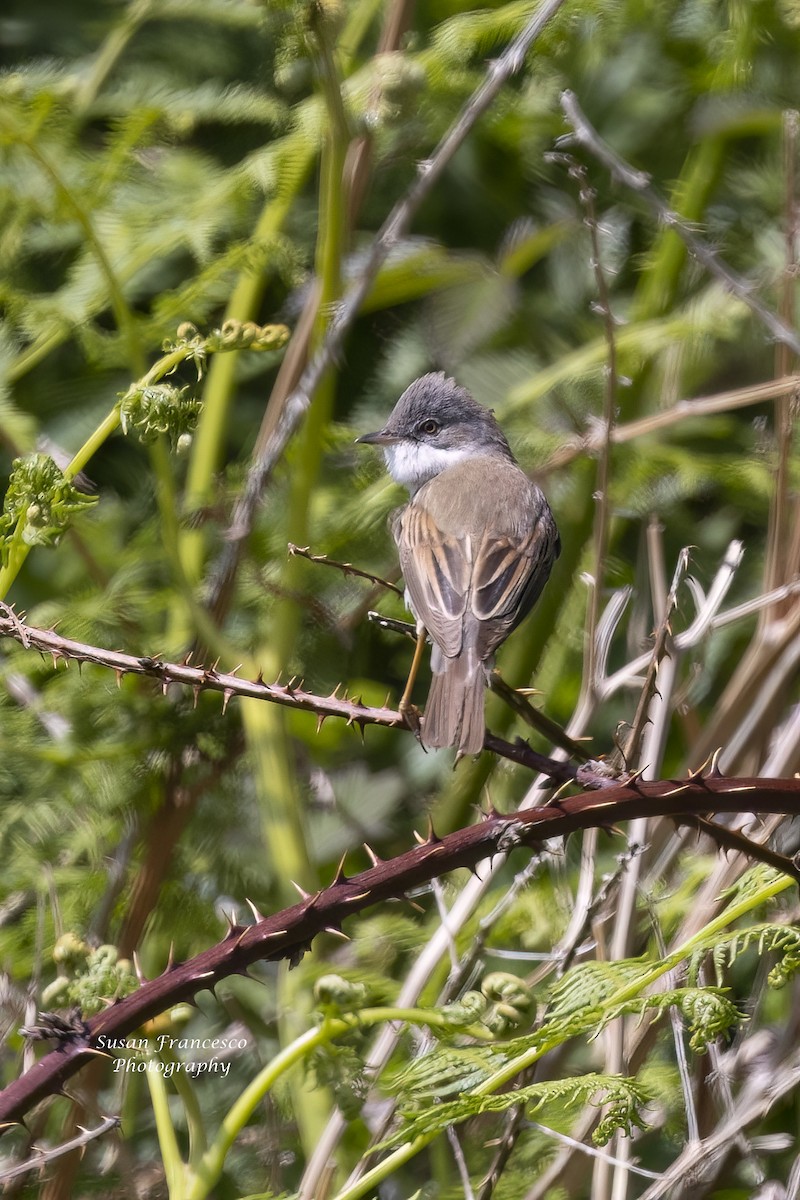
{"points": [[602, 514], [640, 182], [703, 406], [678, 1028], [41, 1158], [346, 568], [699, 1159], [393, 229], [782, 560]]}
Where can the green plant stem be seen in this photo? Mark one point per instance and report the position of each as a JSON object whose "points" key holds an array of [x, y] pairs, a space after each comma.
{"points": [[194, 1116], [637, 339], [218, 395], [215, 643], [208, 442], [174, 1168], [307, 460], [281, 801], [209, 439], [19, 550], [137, 13], [274, 778], [107, 426], [17, 553], [370, 1181], [656, 292], [27, 359], [208, 1170]]}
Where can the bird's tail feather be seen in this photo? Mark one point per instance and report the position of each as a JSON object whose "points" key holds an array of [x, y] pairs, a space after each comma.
{"points": [[454, 712]]}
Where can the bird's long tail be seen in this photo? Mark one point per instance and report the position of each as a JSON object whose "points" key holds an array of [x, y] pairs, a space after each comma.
{"points": [[454, 712]]}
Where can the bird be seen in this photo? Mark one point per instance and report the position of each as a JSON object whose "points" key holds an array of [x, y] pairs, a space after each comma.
{"points": [[476, 541]]}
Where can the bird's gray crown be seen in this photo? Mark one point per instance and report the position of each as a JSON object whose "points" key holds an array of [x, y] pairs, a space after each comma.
{"points": [[461, 422]]}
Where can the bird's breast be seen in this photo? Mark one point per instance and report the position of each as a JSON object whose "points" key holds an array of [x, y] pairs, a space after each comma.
{"points": [[479, 494]]}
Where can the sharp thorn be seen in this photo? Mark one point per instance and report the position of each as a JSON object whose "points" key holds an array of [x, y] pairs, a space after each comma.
{"points": [[258, 916], [714, 771]]}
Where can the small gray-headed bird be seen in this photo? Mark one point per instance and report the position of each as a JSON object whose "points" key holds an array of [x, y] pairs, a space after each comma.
{"points": [[477, 542]]}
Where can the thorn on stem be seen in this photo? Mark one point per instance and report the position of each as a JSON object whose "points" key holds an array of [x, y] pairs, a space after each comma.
{"points": [[257, 915], [340, 876]]}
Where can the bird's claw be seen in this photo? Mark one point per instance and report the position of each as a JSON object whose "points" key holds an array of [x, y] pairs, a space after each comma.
{"points": [[412, 718]]}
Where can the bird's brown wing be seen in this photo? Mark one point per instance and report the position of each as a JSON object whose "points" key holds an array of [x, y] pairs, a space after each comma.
{"points": [[437, 570], [461, 588], [508, 575]]}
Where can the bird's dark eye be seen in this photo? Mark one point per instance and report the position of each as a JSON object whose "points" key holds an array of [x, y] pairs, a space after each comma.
{"points": [[430, 427]]}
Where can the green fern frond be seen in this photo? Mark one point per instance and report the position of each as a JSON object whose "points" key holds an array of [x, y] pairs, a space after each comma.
{"points": [[446, 1071], [715, 314], [234, 14], [153, 94], [767, 938], [625, 1098], [709, 1012], [750, 883], [589, 984]]}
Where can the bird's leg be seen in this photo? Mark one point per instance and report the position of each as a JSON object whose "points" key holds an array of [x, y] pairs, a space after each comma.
{"points": [[408, 711]]}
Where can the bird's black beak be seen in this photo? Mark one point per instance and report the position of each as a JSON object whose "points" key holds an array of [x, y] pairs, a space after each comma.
{"points": [[382, 438]]}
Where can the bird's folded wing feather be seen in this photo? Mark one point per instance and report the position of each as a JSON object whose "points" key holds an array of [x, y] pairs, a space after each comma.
{"points": [[503, 569], [437, 569], [452, 582]]}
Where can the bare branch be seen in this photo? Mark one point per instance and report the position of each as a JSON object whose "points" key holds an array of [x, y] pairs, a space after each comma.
{"points": [[345, 568], [392, 230], [602, 513], [698, 1160], [200, 679], [40, 1158], [592, 440], [288, 934], [290, 695], [640, 182]]}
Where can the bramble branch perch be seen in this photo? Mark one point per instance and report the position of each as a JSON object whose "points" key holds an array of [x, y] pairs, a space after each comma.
{"points": [[288, 934], [291, 694]]}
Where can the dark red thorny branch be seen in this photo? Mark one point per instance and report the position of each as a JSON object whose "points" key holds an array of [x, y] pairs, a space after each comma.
{"points": [[288, 934], [291, 694]]}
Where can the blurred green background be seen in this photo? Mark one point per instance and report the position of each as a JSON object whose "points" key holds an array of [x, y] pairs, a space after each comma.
{"points": [[169, 162]]}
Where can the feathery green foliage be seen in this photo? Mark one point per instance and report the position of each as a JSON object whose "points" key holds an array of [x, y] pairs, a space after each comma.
{"points": [[186, 191]]}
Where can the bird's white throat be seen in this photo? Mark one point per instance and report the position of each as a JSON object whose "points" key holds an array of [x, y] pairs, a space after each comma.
{"points": [[414, 463]]}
